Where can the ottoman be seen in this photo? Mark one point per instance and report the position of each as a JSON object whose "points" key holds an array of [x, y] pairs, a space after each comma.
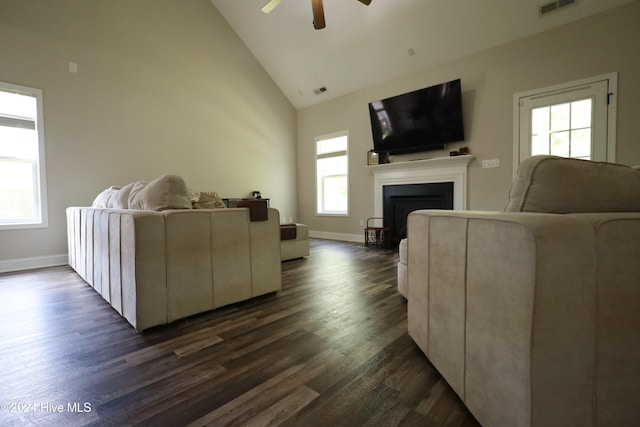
{"points": [[294, 241]]}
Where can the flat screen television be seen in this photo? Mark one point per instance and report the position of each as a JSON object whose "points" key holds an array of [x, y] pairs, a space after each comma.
{"points": [[422, 120]]}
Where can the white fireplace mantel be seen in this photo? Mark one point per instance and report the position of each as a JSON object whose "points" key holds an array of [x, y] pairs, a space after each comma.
{"points": [[443, 169]]}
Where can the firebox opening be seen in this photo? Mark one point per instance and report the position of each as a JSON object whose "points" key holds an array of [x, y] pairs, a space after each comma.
{"points": [[400, 200]]}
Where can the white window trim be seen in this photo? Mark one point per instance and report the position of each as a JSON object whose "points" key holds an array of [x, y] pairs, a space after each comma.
{"points": [[41, 189], [315, 166], [612, 78]]}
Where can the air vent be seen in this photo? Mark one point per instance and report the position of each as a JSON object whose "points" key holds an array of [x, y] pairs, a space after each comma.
{"points": [[555, 5], [320, 90]]}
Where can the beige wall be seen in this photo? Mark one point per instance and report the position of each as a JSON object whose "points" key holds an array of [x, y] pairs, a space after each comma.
{"points": [[163, 86], [601, 44]]}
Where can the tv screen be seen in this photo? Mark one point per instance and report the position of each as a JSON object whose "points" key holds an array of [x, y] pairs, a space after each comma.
{"points": [[422, 120]]}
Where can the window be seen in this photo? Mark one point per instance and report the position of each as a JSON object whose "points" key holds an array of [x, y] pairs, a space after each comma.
{"points": [[22, 189], [575, 119], [332, 174], [563, 129]]}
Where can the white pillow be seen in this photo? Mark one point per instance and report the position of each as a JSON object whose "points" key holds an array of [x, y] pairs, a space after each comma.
{"points": [[165, 192], [120, 200], [104, 199]]}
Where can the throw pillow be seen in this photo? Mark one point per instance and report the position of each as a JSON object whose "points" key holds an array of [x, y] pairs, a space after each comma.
{"points": [[103, 200], [165, 192], [120, 199], [206, 200], [135, 189]]}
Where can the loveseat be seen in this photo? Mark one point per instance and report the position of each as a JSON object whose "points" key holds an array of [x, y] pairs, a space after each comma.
{"points": [[532, 315], [158, 252]]}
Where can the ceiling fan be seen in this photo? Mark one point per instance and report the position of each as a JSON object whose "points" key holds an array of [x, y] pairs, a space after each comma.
{"points": [[316, 6]]}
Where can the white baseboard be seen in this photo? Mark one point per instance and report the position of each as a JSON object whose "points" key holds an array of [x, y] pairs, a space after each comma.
{"points": [[31, 263], [356, 238]]}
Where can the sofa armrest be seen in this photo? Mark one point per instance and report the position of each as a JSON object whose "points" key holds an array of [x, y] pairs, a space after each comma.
{"points": [[618, 326], [503, 304], [142, 262], [121, 254]]}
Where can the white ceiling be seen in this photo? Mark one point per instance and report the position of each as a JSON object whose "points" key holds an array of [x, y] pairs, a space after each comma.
{"points": [[365, 45]]}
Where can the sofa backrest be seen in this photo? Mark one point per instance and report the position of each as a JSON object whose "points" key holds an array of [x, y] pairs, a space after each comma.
{"points": [[561, 185]]}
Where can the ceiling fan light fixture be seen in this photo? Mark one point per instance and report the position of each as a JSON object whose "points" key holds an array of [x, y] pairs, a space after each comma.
{"points": [[270, 5]]}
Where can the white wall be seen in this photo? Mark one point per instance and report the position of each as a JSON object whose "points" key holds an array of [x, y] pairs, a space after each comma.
{"points": [[603, 43], [163, 86]]}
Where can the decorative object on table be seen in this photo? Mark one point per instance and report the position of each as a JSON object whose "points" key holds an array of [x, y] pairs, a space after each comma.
{"points": [[463, 151], [256, 195], [372, 158]]}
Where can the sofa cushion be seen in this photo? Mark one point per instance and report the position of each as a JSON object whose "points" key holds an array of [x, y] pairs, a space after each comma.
{"points": [[165, 192], [561, 185], [402, 251]]}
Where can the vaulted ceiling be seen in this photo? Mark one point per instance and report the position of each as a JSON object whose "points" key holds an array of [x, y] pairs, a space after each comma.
{"points": [[365, 45]]}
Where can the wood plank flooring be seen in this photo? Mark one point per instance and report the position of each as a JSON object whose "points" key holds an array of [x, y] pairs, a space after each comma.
{"points": [[330, 349]]}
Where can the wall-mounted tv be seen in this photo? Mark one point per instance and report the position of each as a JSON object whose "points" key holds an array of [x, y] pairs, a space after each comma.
{"points": [[422, 120]]}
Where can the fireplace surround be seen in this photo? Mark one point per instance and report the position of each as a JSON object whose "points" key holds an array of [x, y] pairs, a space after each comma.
{"points": [[451, 170]]}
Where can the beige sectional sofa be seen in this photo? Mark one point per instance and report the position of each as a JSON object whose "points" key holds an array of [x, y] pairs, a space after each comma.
{"points": [[533, 315], [157, 264]]}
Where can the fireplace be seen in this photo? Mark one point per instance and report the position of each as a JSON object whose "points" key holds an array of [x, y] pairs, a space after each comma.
{"points": [[444, 172], [400, 200]]}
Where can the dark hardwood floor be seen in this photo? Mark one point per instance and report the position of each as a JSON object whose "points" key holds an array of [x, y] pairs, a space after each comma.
{"points": [[330, 349]]}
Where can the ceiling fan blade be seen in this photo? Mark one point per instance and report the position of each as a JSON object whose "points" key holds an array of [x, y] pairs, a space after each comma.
{"points": [[318, 14], [272, 4], [365, 2]]}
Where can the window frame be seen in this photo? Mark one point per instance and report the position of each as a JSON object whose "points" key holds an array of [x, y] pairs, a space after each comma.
{"points": [[317, 157], [39, 182], [609, 149]]}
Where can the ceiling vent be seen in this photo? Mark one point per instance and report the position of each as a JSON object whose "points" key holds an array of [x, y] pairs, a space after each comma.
{"points": [[320, 90], [554, 5]]}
